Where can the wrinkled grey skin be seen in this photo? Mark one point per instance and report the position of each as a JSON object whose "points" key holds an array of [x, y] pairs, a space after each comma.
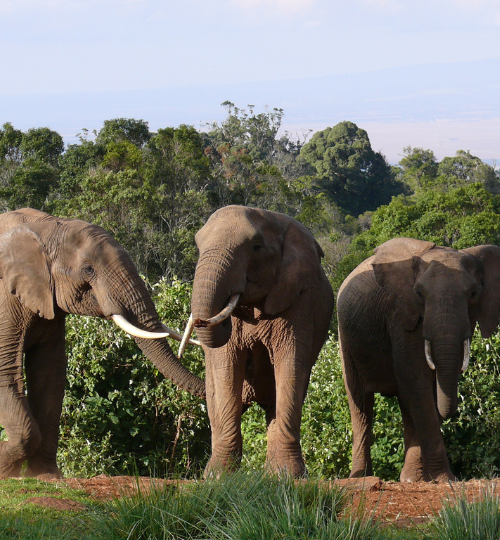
{"points": [[265, 351], [408, 292], [50, 267]]}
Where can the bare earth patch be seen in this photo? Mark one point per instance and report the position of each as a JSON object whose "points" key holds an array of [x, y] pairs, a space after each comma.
{"points": [[402, 504]]}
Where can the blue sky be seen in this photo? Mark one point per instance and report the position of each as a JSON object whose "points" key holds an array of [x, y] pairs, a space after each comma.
{"points": [[423, 73]]}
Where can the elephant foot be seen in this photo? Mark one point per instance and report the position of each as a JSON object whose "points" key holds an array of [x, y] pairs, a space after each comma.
{"points": [[9, 468], [217, 466], [287, 465], [419, 475], [47, 472]]}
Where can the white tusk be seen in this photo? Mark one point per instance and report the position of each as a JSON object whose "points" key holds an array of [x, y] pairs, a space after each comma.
{"points": [[137, 332], [465, 365], [428, 355], [175, 335], [224, 314], [187, 334]]}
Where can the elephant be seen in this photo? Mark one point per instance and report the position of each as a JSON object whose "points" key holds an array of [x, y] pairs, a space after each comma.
{"points": [[261, 305], [406, 316], [50, 267]]}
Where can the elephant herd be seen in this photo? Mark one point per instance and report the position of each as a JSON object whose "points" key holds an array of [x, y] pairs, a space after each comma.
{"points": [[261, 306]]}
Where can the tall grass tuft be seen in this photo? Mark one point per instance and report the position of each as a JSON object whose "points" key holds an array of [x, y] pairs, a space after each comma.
{"points": [[241, 506], [460, 519]]}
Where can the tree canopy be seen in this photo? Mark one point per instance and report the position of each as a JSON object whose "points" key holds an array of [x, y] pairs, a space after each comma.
{"points": [[354, 176]]}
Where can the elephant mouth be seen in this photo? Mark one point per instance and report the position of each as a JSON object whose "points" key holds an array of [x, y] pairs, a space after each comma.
{"points": [[465, 362], [206, 323], [222, 316]]}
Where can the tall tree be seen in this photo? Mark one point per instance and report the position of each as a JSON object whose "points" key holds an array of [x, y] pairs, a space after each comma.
{"points": [[42, 144], [124, 129], [419, 167], [351, 173]]}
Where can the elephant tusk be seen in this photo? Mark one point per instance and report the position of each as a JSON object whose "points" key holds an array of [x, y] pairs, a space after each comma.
{"points": [[186, 337], [216, 319], [137, 332], [175, 335], [465, 365], [428, 355]]}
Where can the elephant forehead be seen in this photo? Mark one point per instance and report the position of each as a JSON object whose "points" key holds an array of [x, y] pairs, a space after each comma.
{"points": [[451, 272]]}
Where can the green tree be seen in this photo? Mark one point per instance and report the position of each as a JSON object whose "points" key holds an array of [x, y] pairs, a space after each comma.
{"points": [[10, 143], [30, 185], [124, 129], [351, 173], [464, 168], [419, 167], [74, 165], [42, 144]]}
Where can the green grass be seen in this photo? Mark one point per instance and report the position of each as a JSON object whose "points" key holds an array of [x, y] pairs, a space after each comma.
{"points": [[245, 505], [460, 519], [240, 506], [27, 521]]}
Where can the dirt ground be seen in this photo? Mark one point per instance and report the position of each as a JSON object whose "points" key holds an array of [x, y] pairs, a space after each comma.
{"points": [[402, 504]]}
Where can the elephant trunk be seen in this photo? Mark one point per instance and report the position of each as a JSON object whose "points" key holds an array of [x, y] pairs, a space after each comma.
{"points": [[141, 312], [215, 283], [448, 358], [162, 356]]}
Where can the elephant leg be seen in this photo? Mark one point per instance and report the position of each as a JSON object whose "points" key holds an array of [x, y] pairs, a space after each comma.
{"points": [[225, 369], [361, 408], [416, 394], [16, 418], [45, 368], [292, 370], [413, 469]]}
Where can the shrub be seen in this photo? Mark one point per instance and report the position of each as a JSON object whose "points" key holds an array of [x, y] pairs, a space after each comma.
{"points": [[120, 415]]}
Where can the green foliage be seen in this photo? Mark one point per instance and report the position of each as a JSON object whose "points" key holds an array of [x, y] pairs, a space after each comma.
{"points": [[472, 436], [419, 167], [117, 130], [10, 143], [353, 175], [120, 415], [42, 144], [30, 184]]}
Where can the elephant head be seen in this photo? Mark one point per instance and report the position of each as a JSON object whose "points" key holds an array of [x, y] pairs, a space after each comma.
{"points": [[56, 266], [248, 257], [446, 291]]}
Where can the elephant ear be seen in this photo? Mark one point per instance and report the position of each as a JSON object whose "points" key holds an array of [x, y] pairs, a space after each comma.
{"points": [[25, 272], [299, 269], [395, 265], [488, 314]]}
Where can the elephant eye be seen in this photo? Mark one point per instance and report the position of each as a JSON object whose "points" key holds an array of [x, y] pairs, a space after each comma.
{"points": [[88, 271], [258, 247]]}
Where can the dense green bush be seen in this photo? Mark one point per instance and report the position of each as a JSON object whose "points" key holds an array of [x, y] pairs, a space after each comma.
{"points": [[120, 414], [472, 436]]}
